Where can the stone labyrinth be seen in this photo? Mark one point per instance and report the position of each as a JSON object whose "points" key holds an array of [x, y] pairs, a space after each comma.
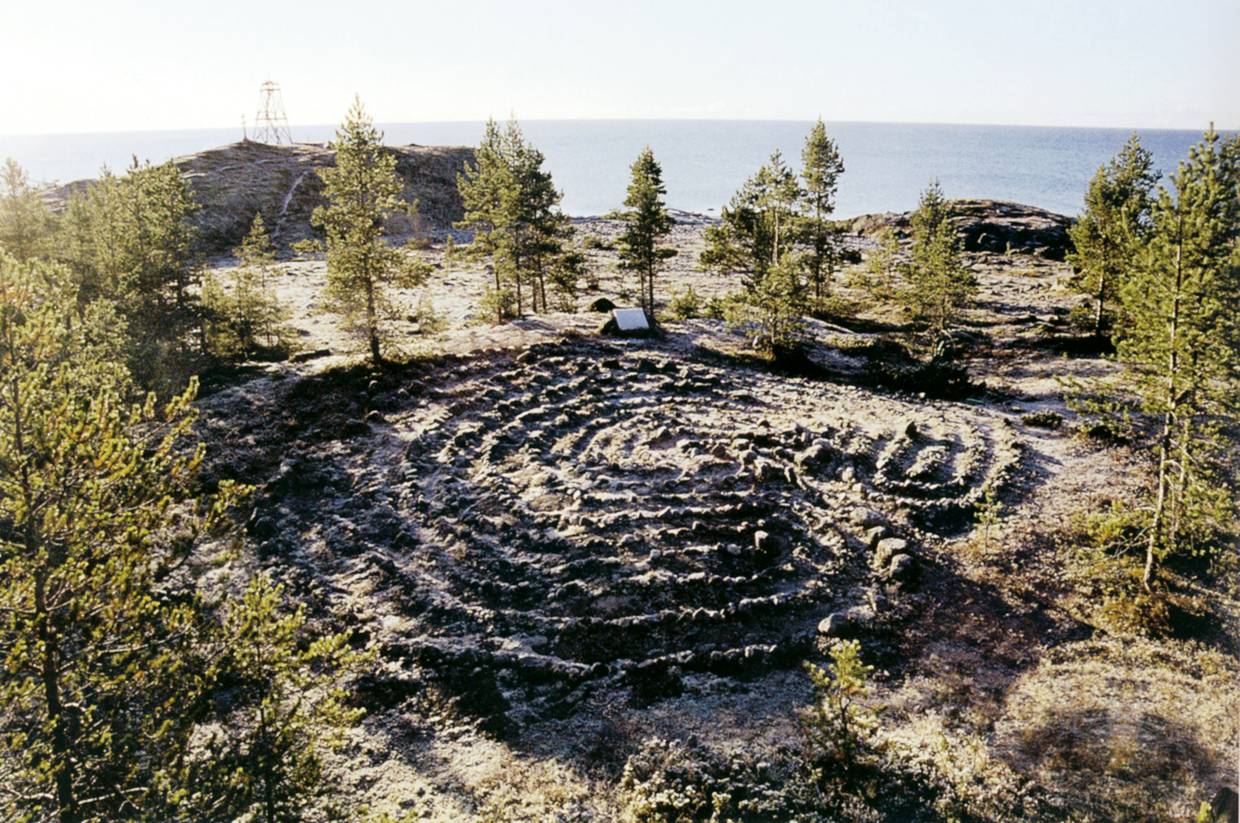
{"points": [[589, 516]]}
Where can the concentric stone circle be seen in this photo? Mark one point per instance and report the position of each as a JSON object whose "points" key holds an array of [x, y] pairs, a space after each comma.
{"points": [[591, 514]]}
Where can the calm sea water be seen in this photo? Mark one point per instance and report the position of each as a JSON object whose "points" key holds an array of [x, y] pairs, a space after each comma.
{"points": [[887, 164]]}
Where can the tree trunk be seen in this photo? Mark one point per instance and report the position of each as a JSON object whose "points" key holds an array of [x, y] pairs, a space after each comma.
{"points": [[499, 290], [1182, 481], [1160, 501], [62, 750], [1169, 415], [62, 753], [372, 324], [1103, 280], [648, 295]]}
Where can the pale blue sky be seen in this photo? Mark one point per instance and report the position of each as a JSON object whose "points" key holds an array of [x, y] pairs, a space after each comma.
{"points": [[119, 65]]}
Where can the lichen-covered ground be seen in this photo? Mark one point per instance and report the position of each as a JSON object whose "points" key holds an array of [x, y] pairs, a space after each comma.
{"points": [[565, 546]]}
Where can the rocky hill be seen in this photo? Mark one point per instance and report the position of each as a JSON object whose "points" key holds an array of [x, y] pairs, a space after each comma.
{"points": [[234, 182], [990, 225]]}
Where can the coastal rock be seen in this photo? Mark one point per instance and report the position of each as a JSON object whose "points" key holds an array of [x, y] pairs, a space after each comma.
{"points": [[989, 225]]}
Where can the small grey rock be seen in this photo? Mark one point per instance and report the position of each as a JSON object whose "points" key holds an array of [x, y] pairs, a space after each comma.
{"points": [[886, 549], [866, 518]]}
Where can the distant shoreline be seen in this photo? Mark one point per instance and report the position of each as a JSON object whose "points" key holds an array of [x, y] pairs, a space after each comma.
{"points": [[705, 161]]}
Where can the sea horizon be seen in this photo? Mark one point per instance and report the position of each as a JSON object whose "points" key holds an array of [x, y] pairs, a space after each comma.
{"points": [[887, 163]]}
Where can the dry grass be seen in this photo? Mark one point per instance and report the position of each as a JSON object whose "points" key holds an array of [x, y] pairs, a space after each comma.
{"points": [[1127, 729]]}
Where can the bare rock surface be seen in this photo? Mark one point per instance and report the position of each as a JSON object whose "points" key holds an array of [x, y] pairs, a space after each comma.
{"points": [[234, 182]]}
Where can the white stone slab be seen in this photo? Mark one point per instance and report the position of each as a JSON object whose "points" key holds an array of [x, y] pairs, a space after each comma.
{"points": [[630, 319]]}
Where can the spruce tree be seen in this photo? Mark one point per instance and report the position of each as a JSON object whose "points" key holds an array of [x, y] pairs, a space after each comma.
{"points": [[362, 191], [821, 167], [25, 222], [99, 679], [938, 283], [1112, 228], [646, 224], [1181, 341]]}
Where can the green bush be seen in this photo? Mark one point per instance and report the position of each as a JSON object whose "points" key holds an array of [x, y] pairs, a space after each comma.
{"points": [[685, 305], [592, 242]]}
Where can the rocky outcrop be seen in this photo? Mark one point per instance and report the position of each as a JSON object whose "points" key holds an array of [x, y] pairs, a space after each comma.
{"points": [[989, 225], [233, 182]]}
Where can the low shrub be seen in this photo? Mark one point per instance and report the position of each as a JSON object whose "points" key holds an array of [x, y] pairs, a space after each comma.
{"points": [[685, 305], [1044, 419]]}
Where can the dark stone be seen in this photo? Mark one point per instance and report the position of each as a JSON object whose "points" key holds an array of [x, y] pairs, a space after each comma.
{"points": [[601, 305], [260, 527], [992, 226], [903, 568], [1226, 807], [304, 356]]}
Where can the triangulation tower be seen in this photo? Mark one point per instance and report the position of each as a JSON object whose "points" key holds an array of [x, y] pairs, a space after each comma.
{"points": [[270, 123]]}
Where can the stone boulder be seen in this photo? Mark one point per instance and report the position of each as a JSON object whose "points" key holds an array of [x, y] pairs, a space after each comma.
{"points": [[988, 225]]}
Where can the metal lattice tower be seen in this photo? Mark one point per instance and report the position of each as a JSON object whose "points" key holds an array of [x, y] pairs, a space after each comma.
{"points": [[270, 124]]}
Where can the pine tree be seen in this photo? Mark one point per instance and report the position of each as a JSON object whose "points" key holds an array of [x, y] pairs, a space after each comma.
{"points": [[774, 307], [1181, 340], [130, 240], [938, 284], [540, 230], [821, 167], [512, 205], [758, 226], [646, 224], [1112, 228], [362, 191], [487, 190], [25, 222], [248, 314], [98, 675], [288, 709], [840, 723], [881, 266]]}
